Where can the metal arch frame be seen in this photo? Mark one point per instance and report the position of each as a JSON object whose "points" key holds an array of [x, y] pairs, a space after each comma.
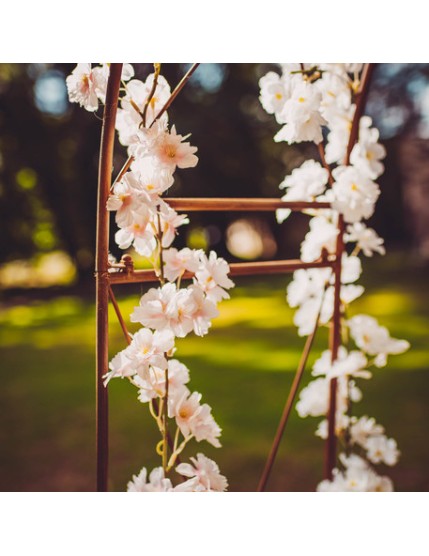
{"points": [[124, 273]]}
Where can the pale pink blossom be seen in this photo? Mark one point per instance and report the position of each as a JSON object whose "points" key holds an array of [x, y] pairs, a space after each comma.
{"points": [[207, 473], [127, 199], [170, 221], [139, 233], [148, 349], [153, 386], [194, 419], [212, 277], [204, 311], [156, 483], [153, 307], [176, 263], [170, 149], [86, 85], [120, 366]]}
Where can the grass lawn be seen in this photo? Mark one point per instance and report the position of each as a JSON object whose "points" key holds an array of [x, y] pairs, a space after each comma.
{"points": [[243, 368]]}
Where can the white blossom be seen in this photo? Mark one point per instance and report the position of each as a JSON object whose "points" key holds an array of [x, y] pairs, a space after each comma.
{"points": [[354, 194], [274, 92], [305, 183], [374, 339], [381, 449], [347, 364], [367, 153], [322, 235], [366, 239], [364, 428], [301, 115], [357, 477]]}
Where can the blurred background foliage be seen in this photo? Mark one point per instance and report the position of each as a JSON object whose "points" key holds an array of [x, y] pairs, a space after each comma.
{"points": [[49, 155], [48, 185]]}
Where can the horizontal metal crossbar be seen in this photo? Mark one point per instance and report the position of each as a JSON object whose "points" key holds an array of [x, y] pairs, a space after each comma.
{"points": [[127, 274], [238, 204]]}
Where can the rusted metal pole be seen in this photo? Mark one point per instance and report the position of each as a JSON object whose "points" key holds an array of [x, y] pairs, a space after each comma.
{"points": [[334, 344], [236, 269], [335, 331], [119, 316], [101, 271], [287, 409], [236, 204]]}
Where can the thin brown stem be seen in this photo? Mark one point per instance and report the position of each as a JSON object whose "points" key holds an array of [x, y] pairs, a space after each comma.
{"points": [[119, 316], [161, 256], [165, 434], [361, 98], [123, 171], [175, 92], [157, 68], [321, 150]]}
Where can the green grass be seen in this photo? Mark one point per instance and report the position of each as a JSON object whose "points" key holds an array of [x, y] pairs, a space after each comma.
{"points": [[243, 368]]}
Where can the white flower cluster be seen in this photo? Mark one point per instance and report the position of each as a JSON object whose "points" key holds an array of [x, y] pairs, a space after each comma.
{"points": [[313, 101], [149, 224]]}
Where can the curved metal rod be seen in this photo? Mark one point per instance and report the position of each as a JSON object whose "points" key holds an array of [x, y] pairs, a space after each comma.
{"points": [[101, 271]]}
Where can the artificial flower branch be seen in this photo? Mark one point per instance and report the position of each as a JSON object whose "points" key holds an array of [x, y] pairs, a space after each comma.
{"points": [[333, 100], [166, 106], [170, 311]]}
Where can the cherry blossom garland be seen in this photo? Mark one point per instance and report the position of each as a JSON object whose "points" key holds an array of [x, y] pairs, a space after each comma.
{"points": [[307, 99], [149, 224]]}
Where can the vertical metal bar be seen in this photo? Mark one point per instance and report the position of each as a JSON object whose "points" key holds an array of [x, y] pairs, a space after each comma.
{"points": [[334, 344], [101, 271], [335, 331]]}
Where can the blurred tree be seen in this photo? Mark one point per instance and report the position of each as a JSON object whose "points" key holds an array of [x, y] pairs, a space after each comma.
{"points": [[49, 153]]}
